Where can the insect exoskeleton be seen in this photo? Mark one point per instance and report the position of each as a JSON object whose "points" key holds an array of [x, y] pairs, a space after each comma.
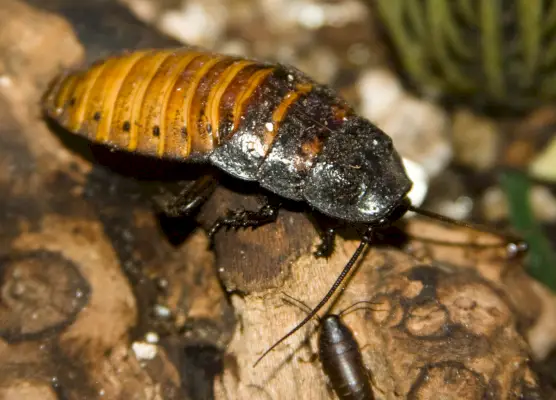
{"points": [[340, 355], [257, 121]]}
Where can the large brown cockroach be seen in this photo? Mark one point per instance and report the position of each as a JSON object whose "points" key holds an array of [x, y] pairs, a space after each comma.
{"points": [[261, 122]]}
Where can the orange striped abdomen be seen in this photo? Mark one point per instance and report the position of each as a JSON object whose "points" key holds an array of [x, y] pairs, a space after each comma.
{"points": [[167, 103], [257, 121]]}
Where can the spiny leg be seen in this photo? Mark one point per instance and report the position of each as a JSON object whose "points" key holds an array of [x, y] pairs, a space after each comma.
{"points": [[242, 218]]}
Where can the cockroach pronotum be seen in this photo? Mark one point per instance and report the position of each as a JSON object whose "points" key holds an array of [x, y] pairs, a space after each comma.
{"points": [[340, 355], [261, 122]]}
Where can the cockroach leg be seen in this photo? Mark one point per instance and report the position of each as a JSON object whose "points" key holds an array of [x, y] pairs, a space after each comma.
{"points": [[326, 246], [188, 200], [242, 218], [326, 228]]}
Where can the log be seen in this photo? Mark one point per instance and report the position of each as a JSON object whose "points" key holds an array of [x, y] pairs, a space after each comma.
{"points": [[440, 323]]}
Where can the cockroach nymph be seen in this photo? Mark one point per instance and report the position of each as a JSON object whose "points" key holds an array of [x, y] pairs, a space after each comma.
{"points": [[262, 122], [340, 355]]}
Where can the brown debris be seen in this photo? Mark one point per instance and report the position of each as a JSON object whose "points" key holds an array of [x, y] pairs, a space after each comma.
{"points": [[26, 390], [541, 334]]}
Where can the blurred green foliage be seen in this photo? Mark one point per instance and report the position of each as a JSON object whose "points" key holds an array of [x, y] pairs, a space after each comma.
{"points": [[492, 53], [541, 258]]}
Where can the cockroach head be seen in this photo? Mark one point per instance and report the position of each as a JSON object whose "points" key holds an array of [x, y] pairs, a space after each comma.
{"points": [[358, 177]]}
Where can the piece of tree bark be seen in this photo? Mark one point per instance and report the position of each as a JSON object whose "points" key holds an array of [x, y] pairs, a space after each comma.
{"points": [[442, 323]]}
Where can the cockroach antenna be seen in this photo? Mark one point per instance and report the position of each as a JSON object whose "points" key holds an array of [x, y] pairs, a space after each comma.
{"points": [[365, 240], [515, 246]]}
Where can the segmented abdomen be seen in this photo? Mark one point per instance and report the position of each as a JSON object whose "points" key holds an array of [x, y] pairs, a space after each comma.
{"points": [[177, 103]]}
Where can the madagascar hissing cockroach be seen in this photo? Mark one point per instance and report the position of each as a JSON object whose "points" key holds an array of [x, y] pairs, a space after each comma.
{"points": [[261, 122], [340, 355], [257, 121]]}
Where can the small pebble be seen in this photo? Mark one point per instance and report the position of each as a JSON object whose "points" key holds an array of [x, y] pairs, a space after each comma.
{"points": [[161, 311], [419, 177], [197, 22], [5, 81], [144, 351], [448, 196], [152, 337], [145, 10]]}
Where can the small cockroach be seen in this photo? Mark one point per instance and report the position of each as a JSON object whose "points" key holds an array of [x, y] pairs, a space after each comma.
{"points": [[340, 355], [257, 121]]}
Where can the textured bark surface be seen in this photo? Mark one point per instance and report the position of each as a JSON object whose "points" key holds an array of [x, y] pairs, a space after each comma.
{"points": [[441, 323], [86, 272], [89, 273]]}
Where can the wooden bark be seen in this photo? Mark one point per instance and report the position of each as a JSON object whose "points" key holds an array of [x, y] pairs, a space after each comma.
{"points": [[444, 322]]}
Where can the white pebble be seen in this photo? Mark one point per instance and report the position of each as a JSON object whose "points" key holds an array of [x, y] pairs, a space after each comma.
{"points": [[152, 337], [144, 351], [162, 311]]}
